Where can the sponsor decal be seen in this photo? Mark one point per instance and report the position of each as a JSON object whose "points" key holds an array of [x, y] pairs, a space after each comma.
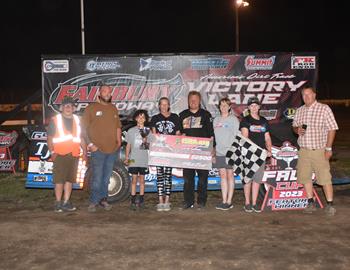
{"points": [[8, 139], [269, 114], [7, 164], [253, 62], [209, 63], [93, 65], [56, 66], [129, 92], [287, 152], [284, 192], [289, 113], [38, 136], [303, 62], [151, 64]]}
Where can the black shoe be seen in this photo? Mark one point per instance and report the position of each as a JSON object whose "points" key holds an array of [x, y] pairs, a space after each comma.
{"points": [[220, 206], [68, 206], [133, 206], [248, 208], [187, 206], [256, 209]]}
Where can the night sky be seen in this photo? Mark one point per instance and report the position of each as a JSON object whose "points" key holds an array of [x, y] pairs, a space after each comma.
{"points": [[32, 28]]}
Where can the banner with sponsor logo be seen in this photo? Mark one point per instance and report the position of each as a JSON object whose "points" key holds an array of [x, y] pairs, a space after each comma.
{"points": [[138, 82], [7, 139], [283, 190], [181, 152]]}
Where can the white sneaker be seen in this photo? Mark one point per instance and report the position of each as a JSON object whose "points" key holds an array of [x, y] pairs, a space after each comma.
{"points": [[166, 207], [160, 207]]}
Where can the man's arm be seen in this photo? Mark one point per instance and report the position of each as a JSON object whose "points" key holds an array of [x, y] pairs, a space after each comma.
{"points": [[127, 152], [330, 139], [268, 143], [119, 137]]}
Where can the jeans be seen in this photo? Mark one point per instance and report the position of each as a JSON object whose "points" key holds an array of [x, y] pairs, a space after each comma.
{"points": [[102, 166], [188, 175]]}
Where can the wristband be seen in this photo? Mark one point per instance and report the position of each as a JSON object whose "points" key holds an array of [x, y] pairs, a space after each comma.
{"points": [[328, 149]]}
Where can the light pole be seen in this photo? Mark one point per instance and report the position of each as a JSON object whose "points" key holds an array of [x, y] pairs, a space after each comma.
{"points": [[82, 27], [238, 4]]}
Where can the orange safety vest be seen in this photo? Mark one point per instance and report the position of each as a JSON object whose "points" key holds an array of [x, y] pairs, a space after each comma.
{"points": [[65, 142]]}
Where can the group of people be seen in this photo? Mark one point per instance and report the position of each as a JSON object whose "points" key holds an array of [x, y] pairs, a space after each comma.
{"points": [[100, 133]]}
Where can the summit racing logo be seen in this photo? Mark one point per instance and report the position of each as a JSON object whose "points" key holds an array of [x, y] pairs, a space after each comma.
{"points": [[214, 63], [55, 66], [129, 92], [102, 65], [303, 62], [150, 64], [253, 63]]}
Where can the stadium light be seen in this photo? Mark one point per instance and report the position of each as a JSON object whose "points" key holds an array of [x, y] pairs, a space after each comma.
{"points": [[238, 5]]}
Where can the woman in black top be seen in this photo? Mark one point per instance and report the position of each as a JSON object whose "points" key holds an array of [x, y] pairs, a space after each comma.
{"points": [[257, 129], [165, 123]]}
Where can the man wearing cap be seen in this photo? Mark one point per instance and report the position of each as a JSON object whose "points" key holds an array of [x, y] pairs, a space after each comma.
{"points": [[257, 129], [64, 141], [102, 132], [315, 124]]}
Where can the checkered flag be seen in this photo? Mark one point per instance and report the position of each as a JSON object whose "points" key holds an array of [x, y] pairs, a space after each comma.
{"points": [[245, 157]]}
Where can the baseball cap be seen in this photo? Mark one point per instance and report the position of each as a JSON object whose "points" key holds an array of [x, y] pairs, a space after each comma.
{"points": [[68, 100], [252, 100]]}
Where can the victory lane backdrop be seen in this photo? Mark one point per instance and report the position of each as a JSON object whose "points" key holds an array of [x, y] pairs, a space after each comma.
{"points": [[139, 81]]}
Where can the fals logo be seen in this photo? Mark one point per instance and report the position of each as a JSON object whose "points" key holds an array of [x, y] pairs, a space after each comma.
{"points": [[254, 63], [102, 65], [287, 152], [150, 64], [129, 92], [289, 113], [209, 63], [55, 66], [303, 62]]}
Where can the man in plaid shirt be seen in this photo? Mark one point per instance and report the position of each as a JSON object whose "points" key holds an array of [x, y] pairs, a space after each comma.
{"points": [[315, 124]]}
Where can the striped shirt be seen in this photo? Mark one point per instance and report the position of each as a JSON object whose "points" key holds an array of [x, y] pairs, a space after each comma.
{"points": [[319, 119]]}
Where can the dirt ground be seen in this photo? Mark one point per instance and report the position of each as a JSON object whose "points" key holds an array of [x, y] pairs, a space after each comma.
{"points": [[32, 236]]}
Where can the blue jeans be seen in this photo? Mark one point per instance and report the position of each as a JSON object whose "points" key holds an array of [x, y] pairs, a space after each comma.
{"points": [[102, 167]]}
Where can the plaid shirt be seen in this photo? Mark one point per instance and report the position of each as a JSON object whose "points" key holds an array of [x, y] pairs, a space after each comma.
{"points": [[319, 119]]}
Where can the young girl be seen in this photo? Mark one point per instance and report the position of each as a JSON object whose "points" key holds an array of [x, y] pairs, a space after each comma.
{"points": [[225, 128], [257, 129], [136, 156], [164, 123]]}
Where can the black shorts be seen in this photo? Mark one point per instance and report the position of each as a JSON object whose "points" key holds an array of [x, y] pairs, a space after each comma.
{"points": [[138, 170]]}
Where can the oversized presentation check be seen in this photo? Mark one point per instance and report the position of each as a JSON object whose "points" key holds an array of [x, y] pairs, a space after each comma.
{"points": [[180, 152]]}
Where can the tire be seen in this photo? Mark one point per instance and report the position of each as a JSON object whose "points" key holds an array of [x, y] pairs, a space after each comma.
{"points": [[119, 184]]}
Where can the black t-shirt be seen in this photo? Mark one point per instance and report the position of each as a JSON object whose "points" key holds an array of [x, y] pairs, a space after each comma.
{"points": [[197, 124], [256, 128], [166, 125]]}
